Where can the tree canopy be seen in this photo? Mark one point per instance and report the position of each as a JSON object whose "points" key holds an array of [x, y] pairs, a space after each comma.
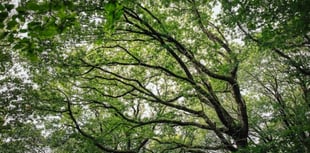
{"points": [[155, 76]]}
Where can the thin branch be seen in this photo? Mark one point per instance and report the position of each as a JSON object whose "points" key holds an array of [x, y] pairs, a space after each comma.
{"points": [[83, 133], [209, 34]]}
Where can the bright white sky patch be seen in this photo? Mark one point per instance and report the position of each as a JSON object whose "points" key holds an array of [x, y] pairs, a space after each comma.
{"points": [[216, 10]]}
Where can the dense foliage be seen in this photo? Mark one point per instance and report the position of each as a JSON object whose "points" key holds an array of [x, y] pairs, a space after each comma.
{"points": [[155, 76]]}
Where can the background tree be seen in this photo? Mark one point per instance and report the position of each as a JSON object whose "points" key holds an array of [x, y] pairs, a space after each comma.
{"points": [[18, 132], [170, 76], [280, 30]]}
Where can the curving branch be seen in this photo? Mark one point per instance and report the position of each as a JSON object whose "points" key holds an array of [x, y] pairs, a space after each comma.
{"points": [[86, 135], [299, 67]]}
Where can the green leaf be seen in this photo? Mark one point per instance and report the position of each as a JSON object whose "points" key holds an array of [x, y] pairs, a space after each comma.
{"points": [[49, 31], [1, 25], [34, 25], [3, 16], [13, 25], [2, 7], [32, 56], [113, 12], [3, 34], [9, 7], [32, 5]]}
